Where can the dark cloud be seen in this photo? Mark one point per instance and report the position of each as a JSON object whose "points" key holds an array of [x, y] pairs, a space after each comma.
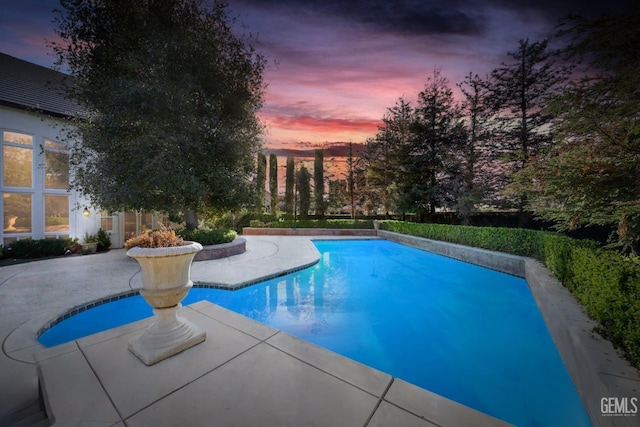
{"points": [[400, 16], [557, 9], [430, 17]]}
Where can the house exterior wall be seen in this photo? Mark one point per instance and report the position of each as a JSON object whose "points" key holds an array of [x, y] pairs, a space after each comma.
{"points": [[40, 128]]}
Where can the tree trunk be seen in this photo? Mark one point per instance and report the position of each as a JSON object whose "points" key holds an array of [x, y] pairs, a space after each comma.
{"points": [[523, 216], [190, 219]]}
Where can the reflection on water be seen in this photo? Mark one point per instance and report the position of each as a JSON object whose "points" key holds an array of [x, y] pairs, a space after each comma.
{"points": [[447, 326], [470, 334]]}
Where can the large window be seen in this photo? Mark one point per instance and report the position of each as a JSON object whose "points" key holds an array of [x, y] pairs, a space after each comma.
{"points": [[17, 162], [17, 213], [17, 159], [56, 213], [56, 184], [35, 202], [56, 166]]}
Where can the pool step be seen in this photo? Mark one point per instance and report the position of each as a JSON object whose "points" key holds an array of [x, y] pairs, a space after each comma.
{"points": [[29, 416]]}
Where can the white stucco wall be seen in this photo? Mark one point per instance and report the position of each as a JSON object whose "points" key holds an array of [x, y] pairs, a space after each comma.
{"points": [[40, 127]]}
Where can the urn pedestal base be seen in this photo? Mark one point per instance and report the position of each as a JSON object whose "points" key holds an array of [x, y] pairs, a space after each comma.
{"points": [[168, 335]]}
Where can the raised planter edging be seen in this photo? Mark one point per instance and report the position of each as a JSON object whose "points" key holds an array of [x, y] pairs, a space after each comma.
{"points": [[223, 250], [505, 263], [257, 231]]}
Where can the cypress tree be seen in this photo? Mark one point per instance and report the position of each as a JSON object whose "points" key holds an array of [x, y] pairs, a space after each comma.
{"points": [[273, 181], [261, 177], [318, 182], [289, 183]]}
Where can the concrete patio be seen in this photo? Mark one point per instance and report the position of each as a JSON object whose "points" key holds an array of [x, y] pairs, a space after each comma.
{"points": [[245, 373]]}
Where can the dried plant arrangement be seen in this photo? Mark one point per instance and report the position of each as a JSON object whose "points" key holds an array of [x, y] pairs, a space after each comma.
{"points": [[162, 238]]}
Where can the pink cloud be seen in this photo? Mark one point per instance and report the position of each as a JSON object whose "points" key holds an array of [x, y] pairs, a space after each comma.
{"points": [[326, 125], [330, 78]]}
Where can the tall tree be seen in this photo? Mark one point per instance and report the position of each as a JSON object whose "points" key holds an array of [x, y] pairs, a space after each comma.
{"points": [[318, 182], [170, 95], [351, 179], [273, 181], [386, 156], [520, 89], [475, 178], [336, 200], [437, 131], [261, 179], [289, 186], [303, 181], [593, 175]]}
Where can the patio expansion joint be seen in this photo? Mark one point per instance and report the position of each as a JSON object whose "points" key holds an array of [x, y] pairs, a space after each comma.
{"points": [[8, 355], [204, 374], [232, 326], [95, 374], [323, 370], [383, 399], [138, 271], [380, 400], [11, 277]]}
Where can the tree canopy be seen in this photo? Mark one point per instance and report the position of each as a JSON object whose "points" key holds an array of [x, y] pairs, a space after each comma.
{"points": [[170, 95], [519, 90], [592, 175], [412, 157]]}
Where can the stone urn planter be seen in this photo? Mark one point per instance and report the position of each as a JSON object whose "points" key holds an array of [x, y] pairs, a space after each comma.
{"points": [[166, 277]]}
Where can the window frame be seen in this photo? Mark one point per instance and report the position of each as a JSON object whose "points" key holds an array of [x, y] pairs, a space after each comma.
{"points": [[31, 146]]}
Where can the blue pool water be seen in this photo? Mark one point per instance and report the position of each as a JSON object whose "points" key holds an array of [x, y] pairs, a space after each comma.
{"points": [[470, 334]]}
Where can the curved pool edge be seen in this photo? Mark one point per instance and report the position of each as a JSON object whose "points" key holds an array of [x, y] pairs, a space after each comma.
{"points": [[255, 355], [593, 364], [268, 256]]}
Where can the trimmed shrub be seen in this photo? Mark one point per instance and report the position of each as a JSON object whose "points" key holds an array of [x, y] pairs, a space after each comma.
{"points": [[240, 220], [606, 283], [208, 236], [29, 248], [104, 241]]}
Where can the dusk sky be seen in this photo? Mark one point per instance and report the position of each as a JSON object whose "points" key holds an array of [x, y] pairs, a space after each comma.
{"points": [[335, 66]]}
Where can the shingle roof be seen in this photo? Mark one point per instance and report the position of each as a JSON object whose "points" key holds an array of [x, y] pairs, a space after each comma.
{"points": [[25, 85]]}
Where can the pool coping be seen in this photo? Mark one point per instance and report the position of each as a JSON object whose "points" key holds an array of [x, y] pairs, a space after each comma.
{"points": [[595, 368], [109, 380]]}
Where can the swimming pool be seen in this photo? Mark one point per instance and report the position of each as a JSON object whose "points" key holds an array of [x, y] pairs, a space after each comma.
{"points": [[470, 334]]}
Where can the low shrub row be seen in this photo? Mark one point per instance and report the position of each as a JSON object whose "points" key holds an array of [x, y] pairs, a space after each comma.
{"points": [[606, 283], [29, 248], [321, 223], [207, 236], [240, 220]]}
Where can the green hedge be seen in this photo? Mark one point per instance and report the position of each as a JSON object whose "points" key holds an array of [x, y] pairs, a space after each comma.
{"points": [[322, 223], [240, 220], [29, 248], [207, 236], [606, 283]]}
